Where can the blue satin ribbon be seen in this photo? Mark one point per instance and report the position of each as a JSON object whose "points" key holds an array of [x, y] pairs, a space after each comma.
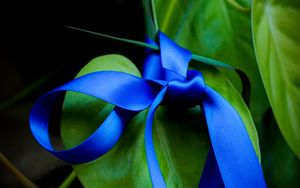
{"points": [[231, 161]]}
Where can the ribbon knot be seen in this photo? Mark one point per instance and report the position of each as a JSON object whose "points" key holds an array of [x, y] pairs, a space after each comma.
{"points": [[231, 162], [186, 93]]}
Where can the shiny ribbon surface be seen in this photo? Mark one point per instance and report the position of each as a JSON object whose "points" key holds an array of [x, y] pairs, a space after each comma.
{"points": [[231, 161]]}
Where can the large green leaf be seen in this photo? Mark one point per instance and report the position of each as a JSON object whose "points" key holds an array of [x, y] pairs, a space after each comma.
{"points": [[276, 26], [281, 165], [218, 29], [180, 137]]}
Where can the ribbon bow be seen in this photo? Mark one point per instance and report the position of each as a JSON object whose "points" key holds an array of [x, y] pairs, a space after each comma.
{"points": [[231, 161]]}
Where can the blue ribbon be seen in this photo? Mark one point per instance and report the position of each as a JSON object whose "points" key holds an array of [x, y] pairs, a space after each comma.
{"points": [[231, 161]]}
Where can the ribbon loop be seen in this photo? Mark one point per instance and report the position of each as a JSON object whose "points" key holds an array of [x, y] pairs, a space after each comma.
{"points": [[174, 57], [116, 91]]}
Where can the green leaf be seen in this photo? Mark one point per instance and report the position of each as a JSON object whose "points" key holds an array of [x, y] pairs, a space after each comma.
{"points": [[277, 45], [281, 165], [217, 29], [180, 137]]}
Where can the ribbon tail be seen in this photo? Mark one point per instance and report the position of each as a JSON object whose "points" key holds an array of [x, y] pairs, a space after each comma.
{"points": [[156, 176], [211, 176], [235, 155]]}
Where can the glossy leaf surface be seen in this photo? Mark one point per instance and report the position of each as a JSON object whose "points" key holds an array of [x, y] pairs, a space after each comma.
{"points": [[277, 45], [180, 137]]}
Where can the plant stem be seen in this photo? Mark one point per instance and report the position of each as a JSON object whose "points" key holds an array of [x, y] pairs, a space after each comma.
{"points": [[195, 57], [210, 61], [116, 38], [21, 178], [69, 180]]}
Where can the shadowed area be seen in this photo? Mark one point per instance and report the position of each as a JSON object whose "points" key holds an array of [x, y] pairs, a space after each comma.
{"points": [[38, 54]]}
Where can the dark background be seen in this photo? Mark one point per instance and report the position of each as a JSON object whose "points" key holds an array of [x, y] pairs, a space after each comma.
{"points": [[36, 51]]}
